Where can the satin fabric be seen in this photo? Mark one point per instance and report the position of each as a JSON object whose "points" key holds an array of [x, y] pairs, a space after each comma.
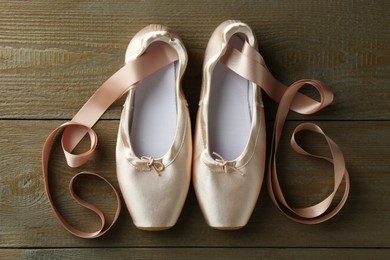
{"points": [[155, 189], [226, 198]]}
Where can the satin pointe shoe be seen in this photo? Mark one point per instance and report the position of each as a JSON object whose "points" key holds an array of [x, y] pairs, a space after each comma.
{"points": [[230, 141], [154, 146]]}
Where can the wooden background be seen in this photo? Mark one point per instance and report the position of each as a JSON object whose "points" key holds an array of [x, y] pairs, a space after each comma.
{"points": [[54, 54]]}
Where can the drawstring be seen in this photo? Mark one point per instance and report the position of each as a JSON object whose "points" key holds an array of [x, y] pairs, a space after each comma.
{"points": [[226, 166], [156, 165]]}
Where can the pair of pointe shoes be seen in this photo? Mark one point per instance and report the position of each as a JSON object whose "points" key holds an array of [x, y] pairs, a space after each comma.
{"points": [[155, 154]]}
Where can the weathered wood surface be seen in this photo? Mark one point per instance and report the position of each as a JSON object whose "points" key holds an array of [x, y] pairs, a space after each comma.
{"points": [[195, 253], [28, 221], [54, 55]]}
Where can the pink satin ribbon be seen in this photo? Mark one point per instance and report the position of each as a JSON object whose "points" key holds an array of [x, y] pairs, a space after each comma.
{"points": [[250, 65], [81, 124]]}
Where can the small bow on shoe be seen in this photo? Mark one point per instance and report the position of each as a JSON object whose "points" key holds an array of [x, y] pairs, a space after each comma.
{"points": [[156, 165], [226, 166]]}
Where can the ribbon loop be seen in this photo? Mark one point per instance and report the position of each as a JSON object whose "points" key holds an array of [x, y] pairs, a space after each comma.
{"points": [[76, 160]]}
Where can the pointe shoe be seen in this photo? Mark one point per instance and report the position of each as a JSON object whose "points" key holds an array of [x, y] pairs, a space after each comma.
{"points": [[154, 147], [230, 143]]}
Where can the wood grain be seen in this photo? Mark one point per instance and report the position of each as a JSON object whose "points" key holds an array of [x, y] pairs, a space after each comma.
{"points": [[53, 55], [195, 253], [28, 221]]}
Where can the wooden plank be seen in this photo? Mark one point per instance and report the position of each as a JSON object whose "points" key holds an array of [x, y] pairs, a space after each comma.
{"points": [[53, 55], [194, 253], [27, 220]]}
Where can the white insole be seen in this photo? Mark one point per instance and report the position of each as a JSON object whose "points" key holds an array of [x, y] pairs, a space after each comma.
{"points": [[229, 113], [153, 125]]}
